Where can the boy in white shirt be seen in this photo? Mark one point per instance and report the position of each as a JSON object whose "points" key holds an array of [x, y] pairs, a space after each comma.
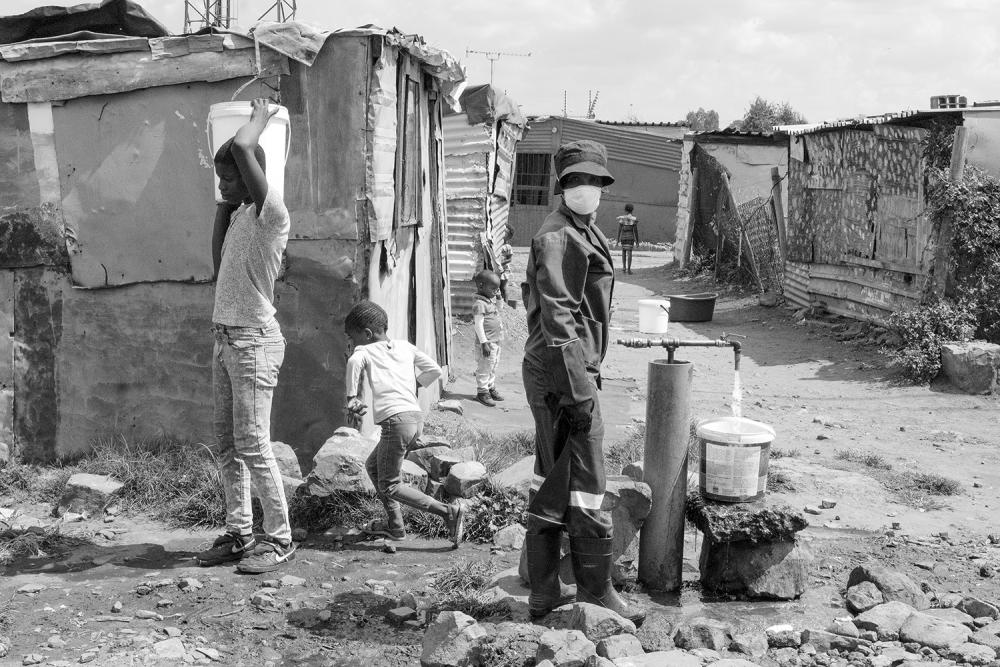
{"points": [[393, 368]]}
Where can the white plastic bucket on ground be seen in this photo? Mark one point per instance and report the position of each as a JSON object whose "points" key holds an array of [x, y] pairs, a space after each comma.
{"points": [[225, 118], [734, 455], [653, 315]]}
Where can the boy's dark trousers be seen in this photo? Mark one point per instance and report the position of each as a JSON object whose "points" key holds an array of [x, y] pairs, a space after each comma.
{"points": [[400, 433]]}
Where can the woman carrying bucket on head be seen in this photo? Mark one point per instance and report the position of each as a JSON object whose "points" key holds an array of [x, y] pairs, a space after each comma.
{"points": [[568, 301]]}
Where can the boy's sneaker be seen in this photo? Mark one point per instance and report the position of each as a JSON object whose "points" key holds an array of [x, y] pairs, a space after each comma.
{"points": [[226, 548], [377, 528], [495, 395], [456, 523], [267, 557], [485, 398]]}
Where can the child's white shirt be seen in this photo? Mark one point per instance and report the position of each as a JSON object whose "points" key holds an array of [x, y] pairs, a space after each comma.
{"points": [[392, 369]]}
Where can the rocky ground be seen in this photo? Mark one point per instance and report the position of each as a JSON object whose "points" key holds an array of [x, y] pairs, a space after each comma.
{"points": [[120, 590]]}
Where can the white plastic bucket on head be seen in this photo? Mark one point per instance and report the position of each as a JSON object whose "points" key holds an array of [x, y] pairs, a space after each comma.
{"points": [[734, 455], [653, 315], [225, 118]]}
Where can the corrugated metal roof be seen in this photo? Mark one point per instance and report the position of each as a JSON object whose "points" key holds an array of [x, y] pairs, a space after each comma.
{"points": [[623, 145], [901, 118], [631, 123]]}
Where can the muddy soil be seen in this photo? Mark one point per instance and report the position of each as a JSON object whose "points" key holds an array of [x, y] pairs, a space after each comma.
{"points": [[822, 396]]}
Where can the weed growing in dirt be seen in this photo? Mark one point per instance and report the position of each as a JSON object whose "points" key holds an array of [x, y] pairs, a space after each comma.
{"points": [[496, 451], [923, 330], [342, 508], [866, 459], [934, 484], [175, 482], [784, 453], [779, 482], [461, 588], [33, 483], [492, 510], [31, 543]]}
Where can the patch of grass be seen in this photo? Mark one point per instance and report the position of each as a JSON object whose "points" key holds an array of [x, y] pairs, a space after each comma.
{"points": [[33, 483], [934, 484], [624, 452], [492, 510], [175, 482], [34, 543], [338, 509], [784, 453], [470, 577], [496, 451], [779, 482], [867, 459]]}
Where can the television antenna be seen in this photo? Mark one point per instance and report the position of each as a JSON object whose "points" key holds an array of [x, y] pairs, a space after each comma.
{"points": [[284, 10], [592, 96], [494, 56]]}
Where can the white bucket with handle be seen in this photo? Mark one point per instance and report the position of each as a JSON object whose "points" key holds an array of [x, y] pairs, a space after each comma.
{"points": [[654, 316], [225, 118]]}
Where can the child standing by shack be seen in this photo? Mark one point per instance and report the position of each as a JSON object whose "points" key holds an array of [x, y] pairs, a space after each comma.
{"points": [[251, 231], [393, 368], [628, 236], [489, 333]]}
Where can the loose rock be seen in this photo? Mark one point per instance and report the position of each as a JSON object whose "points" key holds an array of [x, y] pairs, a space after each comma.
{"points": [[170, 649], [450, 640], [894, 586], [85, 493], [933, 632], [465, 478], [565, 648], [660, 659], [885, 620], [339, 465], [704, 633], [598, 623], [288, 462], [783, 636], [976, 608], [619, 646], [972, 654], [510, 537]]}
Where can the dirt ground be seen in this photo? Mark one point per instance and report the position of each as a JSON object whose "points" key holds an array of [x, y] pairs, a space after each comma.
{"points": [[828, 401]]}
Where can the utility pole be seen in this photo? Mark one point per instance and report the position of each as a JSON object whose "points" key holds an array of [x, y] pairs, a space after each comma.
{"points": [[494, 56]]}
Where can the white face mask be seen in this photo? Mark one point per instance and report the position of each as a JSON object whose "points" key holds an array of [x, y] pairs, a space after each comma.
{"points": [[583, 199]]}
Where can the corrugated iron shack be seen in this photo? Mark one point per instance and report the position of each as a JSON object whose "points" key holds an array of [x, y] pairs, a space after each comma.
{"points": [[859, 236], [106, 208], [479, 146], [726, 172], [646, 167]]}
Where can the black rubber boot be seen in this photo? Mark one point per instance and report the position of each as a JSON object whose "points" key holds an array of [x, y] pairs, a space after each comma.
{"points": [[547, 591], [592, 561]]}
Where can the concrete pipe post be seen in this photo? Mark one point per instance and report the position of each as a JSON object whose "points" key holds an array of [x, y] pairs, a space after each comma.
{"points": [[661, 542]]}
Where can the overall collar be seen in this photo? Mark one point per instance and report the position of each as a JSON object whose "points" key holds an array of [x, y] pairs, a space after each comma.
{"points": [[581, 221]]}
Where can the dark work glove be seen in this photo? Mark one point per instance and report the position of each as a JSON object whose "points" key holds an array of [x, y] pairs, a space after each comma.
{"points": [[579, 415]]}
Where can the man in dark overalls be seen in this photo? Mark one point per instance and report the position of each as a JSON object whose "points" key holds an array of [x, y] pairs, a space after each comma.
{"points": [[568, 298]]}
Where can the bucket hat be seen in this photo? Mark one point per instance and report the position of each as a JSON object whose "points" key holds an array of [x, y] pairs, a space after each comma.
{"points": [[583, 156]]}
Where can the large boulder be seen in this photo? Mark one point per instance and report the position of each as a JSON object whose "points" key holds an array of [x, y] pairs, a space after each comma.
{"points": [[339, 465], [656, 633], [933, 632], [824, 641], [895, 586], [660, 659], [288, 462], [768, 570], [971, 367], [629, 502], [516, 476], [414, 476], [465, 479], [761, 521], [885, 620], [972, 654], [88, 494], [977, 608], [619, 646], [423, 456], [863, 596], [442, 462], [451, 640]]}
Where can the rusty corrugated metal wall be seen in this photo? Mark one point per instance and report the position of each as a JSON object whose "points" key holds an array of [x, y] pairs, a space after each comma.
{"points": [[479, 163]]}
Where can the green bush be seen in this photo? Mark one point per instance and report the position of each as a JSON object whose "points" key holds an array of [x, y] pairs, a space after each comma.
{"points": [[923, 330]]}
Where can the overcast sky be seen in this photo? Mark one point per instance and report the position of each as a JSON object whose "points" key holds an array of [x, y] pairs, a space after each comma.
{"points": [[657, 59]]}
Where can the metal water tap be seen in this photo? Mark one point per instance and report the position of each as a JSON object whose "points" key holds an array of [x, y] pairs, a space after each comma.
{"points": [[671, 345]]}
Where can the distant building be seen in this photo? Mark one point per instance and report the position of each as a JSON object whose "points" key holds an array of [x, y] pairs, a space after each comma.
{"points": [[646, 167]]}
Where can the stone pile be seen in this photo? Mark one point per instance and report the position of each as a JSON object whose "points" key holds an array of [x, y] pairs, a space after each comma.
{"points": [[751, 549], [435, 469]]}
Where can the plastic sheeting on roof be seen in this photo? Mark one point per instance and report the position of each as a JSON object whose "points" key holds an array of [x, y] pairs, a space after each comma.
{"points": [[110, 17], [486, 104], [436, 62]]}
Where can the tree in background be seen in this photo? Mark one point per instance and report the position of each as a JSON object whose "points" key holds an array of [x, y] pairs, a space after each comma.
{"points": [[763, 115], [702, 121]]}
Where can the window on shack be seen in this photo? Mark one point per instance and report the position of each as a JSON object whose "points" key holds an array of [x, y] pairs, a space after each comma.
{"points": [[410, 188], [531, 179]]}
